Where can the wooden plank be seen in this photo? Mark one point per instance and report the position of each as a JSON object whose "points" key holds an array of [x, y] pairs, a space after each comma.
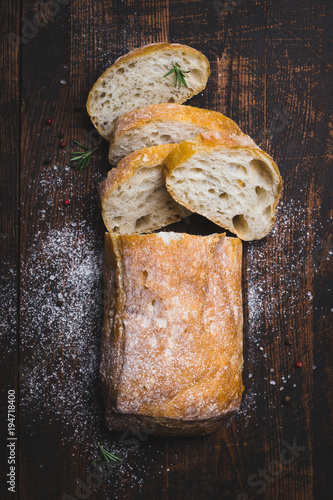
{"points": [[64, 370], [43, 433], [292, 113], [234, 42], [131, 24], [9, 243]]}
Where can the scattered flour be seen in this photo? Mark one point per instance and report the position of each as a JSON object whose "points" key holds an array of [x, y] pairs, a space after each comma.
{"points": [[63, 273], [269, 303], [61, 332]]}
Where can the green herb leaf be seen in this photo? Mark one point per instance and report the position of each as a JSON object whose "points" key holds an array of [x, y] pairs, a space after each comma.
{"points": [[179, 75], [107, 456], [82, 157]]}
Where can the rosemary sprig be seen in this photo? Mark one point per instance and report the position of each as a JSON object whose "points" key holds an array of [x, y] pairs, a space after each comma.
{"points": [[82, 157], [179, 75], [108, 457]]}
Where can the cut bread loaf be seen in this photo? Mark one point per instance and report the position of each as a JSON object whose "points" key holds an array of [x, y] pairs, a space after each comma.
{"points": [[134, 198], [137, 79], [228, 179], [162, 124], [172, 346]]}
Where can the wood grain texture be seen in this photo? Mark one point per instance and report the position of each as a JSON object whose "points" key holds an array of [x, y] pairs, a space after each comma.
{"points": [[44, 58], [271, 72], [9, 226]]}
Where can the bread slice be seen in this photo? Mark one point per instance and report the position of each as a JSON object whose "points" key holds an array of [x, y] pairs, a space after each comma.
{"points": [[134, 198], [172, 346], [137, 79], [229, 180], [161, 124]]}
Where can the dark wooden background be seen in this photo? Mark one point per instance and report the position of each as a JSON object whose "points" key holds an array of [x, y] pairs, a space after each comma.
{"points": [[271, 63]]}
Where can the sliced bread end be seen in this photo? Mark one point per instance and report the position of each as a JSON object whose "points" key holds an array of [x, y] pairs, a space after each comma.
{"points": [[162, 124], [134, 198], [227, 179], [137, 79]]}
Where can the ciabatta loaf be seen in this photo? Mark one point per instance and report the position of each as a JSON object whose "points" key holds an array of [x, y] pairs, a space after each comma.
{"points": [[162, 124], [228, 179], [172, 347], [134, 198], [137, 79]]}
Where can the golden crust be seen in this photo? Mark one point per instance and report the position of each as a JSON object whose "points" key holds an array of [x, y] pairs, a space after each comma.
{"points": [[215, 140], [205, 142], [141, 52], [205, 118], [173, 358], [148, 157]]}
